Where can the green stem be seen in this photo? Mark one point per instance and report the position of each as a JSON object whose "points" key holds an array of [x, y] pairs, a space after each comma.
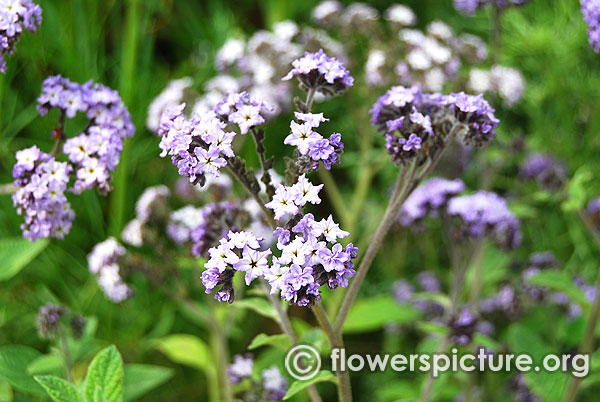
{"points": [[221, 354], [336, 342], [590, 330], [496, 33], [66, 352], [8, 188]]}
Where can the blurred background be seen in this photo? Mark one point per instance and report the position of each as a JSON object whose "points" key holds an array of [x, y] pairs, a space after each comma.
{"points": [[137, 46]]}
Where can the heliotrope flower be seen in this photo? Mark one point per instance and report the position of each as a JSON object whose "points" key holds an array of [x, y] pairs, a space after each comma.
{"points": [[103, 261], [591, 15], [15, 16], [240, 368], [428, 199], [308, 256], [470, 6], [311, 145], [550, 173], [42, 182], [318, 72], [486, 214]]}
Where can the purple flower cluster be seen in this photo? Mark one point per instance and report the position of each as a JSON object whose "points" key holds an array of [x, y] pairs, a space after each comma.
{"points": [[462, 327], [486, 214], [408, 117], [428, 199], [404, 293], [197, 145], [550, 173], [470, 6], [591, 15], [318, 72], [243, 110], [216, 220], [309, 253], [312, 144], [272, 387], [95, 152], [151, 206], [104, 262], [240, 368], [16, 15], [477, 114], [42, 182]]}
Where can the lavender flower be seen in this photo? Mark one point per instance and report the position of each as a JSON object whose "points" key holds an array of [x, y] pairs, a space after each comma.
{"points": [[318, 72], [16, 15], [550, 173], [309, 253], [240, 368], [476, 114], [486, 214], [104, 262], [48, 320], [591, 15], [470, 6], [274, 384], [42, 182], [429, 199], [462, 327], [197, 146], [173, 95]]}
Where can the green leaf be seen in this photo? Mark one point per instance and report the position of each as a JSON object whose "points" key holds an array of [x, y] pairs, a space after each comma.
{"points": [[562, 282], [106, 372], [372, 314], [298, 386], [549, 386], [281, 341], [99, 395], [59, 389], [260, 306], [45, 364], [141, 378], [6, 393], [16, 253], [577, 190], [14, 360], [186, 349]]}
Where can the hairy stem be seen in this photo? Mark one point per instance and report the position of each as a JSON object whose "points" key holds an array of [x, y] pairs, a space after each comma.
{"points": [[268, 214]]}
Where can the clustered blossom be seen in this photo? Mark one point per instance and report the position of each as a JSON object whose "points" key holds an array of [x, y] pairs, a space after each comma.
{"points": [[240, 368], [462, 327], [591, 15], [151, 206], [321, 73], [507, 82], [42, 182], [196, 145], [48, 320], [182, 222], [404, 293], [407, 117], [15, 16], [272, 387], [470, 6], [103, 261], [243, 110], [313, 145], [486, 214], [428, 199], [550, 173], [94, 153], [309, 253], [173, 95]]}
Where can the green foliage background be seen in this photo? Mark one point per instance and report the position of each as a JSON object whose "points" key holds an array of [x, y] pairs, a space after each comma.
{"points": [[136, 46]]}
